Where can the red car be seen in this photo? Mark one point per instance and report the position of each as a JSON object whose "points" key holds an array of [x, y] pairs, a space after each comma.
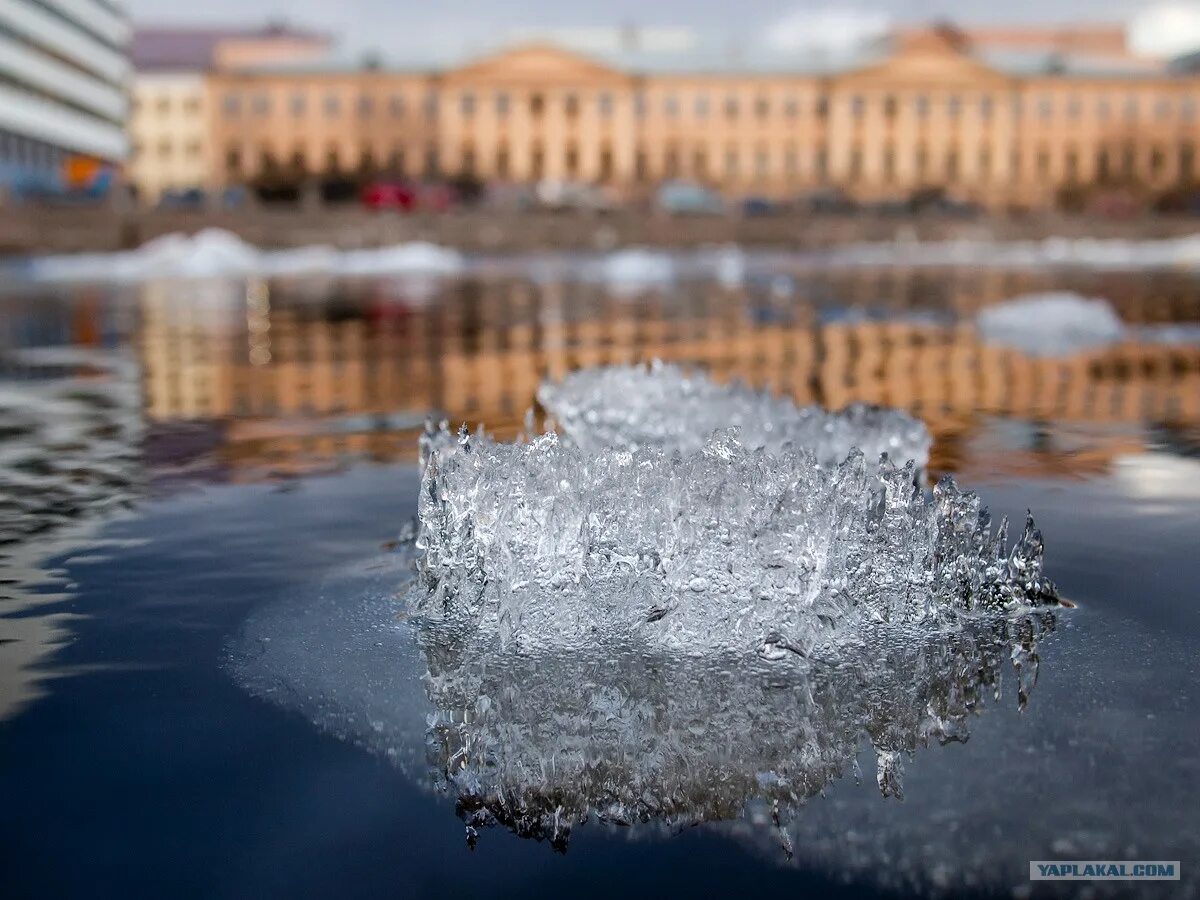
{"points": [[391, 195]]}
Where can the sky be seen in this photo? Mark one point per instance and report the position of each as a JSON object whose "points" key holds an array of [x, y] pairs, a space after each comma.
{"points": [[451, 28]]}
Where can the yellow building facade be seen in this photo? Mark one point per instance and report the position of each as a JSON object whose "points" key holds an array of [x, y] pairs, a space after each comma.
{"points": [[927, 110]]}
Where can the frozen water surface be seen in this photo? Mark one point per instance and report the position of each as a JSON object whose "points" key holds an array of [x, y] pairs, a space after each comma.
{"points": [[628, 407]]}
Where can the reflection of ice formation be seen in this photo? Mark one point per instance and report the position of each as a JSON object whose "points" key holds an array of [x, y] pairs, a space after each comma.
{"points": [[540, 744], [663, 406], [545, 544], [1055, 324], [215, 252]]}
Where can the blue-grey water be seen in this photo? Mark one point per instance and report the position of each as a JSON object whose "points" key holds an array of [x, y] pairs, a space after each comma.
{"points": [[201, 483]]}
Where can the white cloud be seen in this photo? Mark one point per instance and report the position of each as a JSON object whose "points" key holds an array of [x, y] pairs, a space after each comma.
{"points": [[1168, 29], [827, 30]]}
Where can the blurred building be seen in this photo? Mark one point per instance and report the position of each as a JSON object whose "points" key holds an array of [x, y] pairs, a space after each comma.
{"points": [[63, 73], [170, 125], [1011, 116]]}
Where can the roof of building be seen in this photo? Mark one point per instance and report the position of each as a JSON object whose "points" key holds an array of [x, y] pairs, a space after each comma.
{"points": [[153, 48]]}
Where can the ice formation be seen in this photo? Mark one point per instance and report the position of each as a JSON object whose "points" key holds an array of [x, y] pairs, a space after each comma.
{"points": [[545, 544], [539, 745], [215, 253], [663, 406], [1054, 324]]}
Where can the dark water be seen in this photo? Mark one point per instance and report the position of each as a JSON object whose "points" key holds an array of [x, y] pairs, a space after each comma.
{"points": [[179, 460]]}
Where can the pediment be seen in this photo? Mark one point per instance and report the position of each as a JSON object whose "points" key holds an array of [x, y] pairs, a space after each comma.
{"points": [[928, 61], [535, 64]]}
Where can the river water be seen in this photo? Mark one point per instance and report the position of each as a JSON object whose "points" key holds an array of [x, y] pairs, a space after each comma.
{"points": [[204, 690]]}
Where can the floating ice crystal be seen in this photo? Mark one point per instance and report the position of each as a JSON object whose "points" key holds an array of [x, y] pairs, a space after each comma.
{"points": [[1055, 324], [663, 406], [548, 544], [540, 744]]}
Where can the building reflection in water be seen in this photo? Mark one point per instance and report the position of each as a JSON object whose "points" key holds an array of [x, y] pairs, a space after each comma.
{"points": [[301, 375]]}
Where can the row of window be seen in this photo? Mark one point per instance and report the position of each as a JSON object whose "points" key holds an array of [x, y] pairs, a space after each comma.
{"points": [[1131, 107], [166, 104], [167, 149], [1124, 161]]}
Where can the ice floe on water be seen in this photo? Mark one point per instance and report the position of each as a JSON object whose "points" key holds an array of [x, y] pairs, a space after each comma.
{"points": [[1053, 324], [629, 407], [681, 629], [215, 253], [546, 545]]}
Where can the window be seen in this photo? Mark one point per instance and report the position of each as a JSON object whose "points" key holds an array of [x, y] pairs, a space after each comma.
{"points": [[1102, 165], [821, 163], [502, 164], [1158, 161], [297, 105], [605, 104], [791, 161], [671, 162], [233, 159], [701, 107], [164, 149], [366, 106], [1187, 162], [889, 163], [191, 105], [163, 105], [431, 107], [762, 163], [433, 163], [537, 162], [396, 161], [299, 161], [571, 106], [333, 105], [954, 106], [502, 105], [396, 106], [921, 160], [671, 106], [1187, 109], [889, 107], [1046, 107], [986, 107], [194, 149], [922, 104], [467, 159], [333, 162], [537, 105], [1071, 164], [468, 105], [1162, 109], [232, 105], [856, 162], [1131, 109], [762, 107], [858, 106], [985, 162], [571, 160], [700, 163], [1043, 163], [1103, 108], [606, 163], [791, 107], [262, 104], [1074, 108], [731, 107], [731, 161], [639, 105]]}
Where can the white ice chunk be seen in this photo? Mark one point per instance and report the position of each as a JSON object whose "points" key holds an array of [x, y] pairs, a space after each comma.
{"points": [[216, 253], [665, 406], [1053, 324], [548, 544]]}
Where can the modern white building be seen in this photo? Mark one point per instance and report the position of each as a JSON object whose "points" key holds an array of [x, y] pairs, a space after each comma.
{"points": [[64, 72]]}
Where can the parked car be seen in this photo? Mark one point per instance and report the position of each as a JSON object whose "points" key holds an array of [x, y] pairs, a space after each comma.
{"points": [[827, 200], [761, 206], [560, 196], [182, 198], [688, 198], [389, 195]]}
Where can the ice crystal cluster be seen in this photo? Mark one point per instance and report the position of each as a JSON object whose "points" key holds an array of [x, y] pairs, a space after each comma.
{"points": [[547, 544], [540, 744], [664, 406]]}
